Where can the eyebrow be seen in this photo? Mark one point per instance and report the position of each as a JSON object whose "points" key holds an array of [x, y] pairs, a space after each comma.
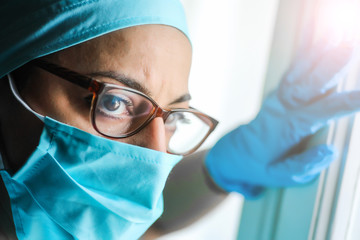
{"points": [[122, 79], [129, 82]]}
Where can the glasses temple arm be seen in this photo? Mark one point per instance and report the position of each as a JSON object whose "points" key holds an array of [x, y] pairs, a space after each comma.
{"points": [[71, 76]]}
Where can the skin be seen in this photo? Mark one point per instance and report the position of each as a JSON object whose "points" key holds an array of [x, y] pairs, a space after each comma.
{"points": [[159, 63], [155, 57]]}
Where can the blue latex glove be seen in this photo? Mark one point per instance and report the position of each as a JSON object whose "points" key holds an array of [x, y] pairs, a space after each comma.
{"points": [[261, 153]]}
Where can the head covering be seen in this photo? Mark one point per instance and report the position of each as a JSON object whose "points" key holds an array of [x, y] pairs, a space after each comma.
{"points": [[34, 28]]}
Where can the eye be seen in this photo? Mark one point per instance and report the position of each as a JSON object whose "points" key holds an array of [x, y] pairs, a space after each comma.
{"points": [[115, 106]]}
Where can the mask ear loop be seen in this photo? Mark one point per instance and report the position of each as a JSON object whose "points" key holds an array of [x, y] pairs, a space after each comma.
{"points": [[16, 93], [3, 160]]}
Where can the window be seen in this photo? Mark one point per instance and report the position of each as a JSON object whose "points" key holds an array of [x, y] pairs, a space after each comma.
{"points": [[241, 50], [328, 208]]}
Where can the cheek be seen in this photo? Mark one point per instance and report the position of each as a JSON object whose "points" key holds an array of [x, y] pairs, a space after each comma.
{"points": [[63, 102], [73, 108]]}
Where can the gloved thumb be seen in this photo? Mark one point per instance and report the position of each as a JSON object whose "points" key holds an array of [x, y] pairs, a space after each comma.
{"points": [[303, 167]]}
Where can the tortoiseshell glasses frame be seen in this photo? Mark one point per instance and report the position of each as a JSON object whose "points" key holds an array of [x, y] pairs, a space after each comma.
{"points": [[119, 112]]}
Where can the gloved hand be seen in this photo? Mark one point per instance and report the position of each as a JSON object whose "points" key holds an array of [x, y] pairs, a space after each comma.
{"points": [[260, 153]]}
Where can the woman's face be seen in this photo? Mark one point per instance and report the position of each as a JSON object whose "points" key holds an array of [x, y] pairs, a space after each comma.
{"points": [[154, 57]]}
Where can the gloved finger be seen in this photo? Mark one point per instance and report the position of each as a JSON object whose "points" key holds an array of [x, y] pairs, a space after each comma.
{"points": [[303, 62], [303, 167], [314, 116], [314, 78]]}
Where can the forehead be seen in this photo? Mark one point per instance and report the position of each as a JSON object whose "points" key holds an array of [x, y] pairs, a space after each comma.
{"points": [[156, 56]]}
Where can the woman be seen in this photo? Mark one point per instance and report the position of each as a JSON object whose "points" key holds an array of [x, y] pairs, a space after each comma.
{"points": [[95, 113]]}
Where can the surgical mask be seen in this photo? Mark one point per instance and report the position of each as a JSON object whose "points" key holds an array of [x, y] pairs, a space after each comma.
{"points": [[77, 185]]}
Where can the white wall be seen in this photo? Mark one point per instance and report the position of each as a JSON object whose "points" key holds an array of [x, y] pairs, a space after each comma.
{"points": [[231, 41]]}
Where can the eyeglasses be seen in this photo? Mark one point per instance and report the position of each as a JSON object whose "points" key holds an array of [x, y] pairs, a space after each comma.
{"points": [[120, 112]]}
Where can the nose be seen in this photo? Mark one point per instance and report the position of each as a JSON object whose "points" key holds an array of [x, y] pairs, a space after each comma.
{"points": [[153, 136]]}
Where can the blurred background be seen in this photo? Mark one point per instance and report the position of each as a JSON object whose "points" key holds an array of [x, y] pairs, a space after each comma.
{"points": [[241, 50], [231, 41]]}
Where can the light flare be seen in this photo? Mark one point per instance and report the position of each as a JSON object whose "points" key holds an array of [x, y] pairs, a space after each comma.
{"points": [[340, 20]]}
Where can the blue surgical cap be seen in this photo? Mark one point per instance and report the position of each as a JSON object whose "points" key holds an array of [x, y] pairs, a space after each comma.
{"points": [[33, 28]]}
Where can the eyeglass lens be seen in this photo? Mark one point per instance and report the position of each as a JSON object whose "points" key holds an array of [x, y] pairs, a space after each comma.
{"points": [[187, 131], [119, 112]]}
